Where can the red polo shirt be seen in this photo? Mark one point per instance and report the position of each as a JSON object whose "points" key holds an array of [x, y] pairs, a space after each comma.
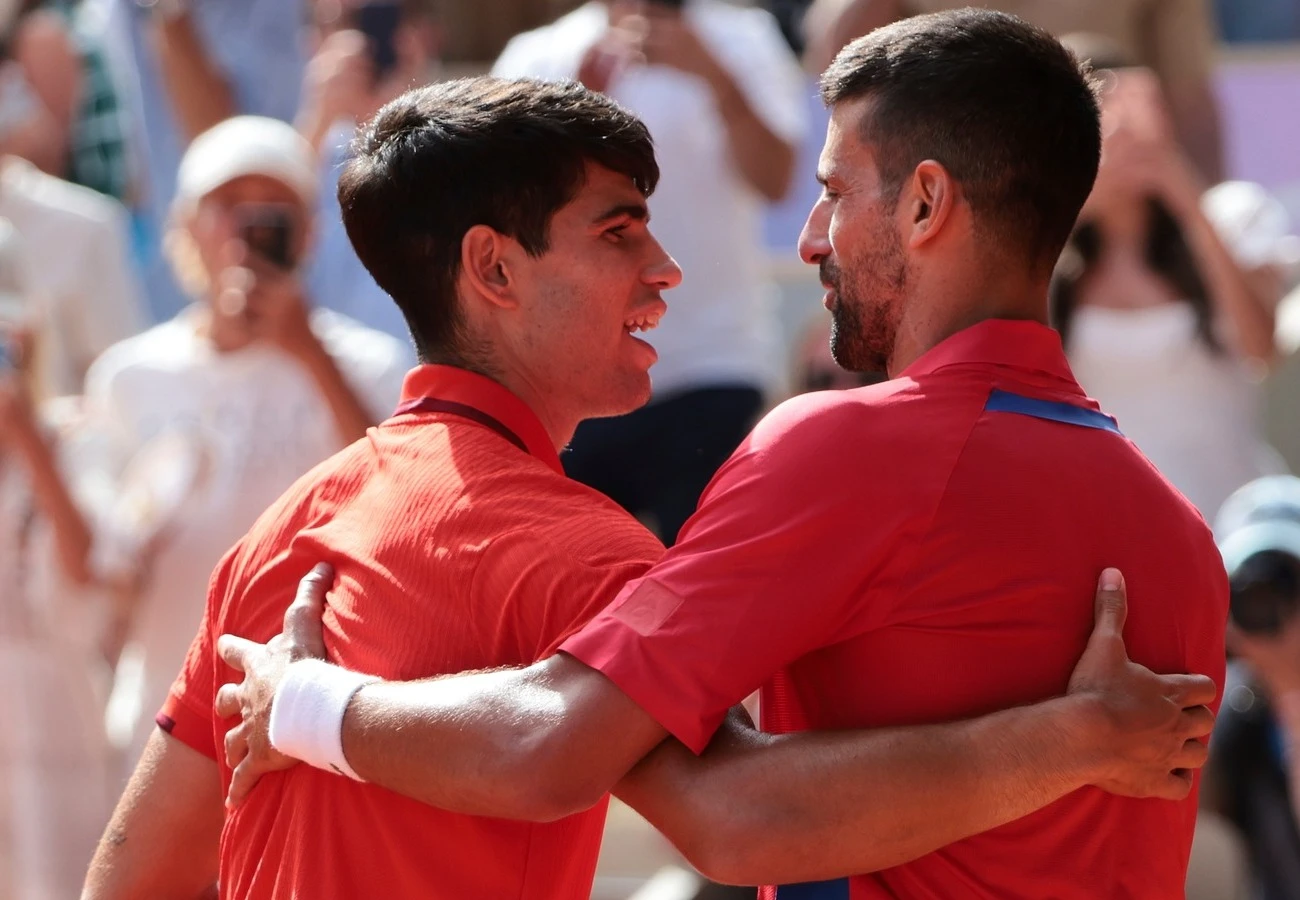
{"points": [[458, 544], [926, 550]]}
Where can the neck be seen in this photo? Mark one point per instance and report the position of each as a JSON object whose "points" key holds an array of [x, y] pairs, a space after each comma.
{"points": [[951, 307], [225, 333], [559, 424]]}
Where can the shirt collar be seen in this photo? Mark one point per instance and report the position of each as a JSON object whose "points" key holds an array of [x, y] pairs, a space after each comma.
{"points": [[479, 392], [1019, 344]]}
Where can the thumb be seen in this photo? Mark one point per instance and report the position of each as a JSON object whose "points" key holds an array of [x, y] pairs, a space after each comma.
{"points": [[1110, 609]]}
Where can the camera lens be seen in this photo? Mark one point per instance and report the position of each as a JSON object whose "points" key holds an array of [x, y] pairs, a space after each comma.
{"points": [[1265, 592]]}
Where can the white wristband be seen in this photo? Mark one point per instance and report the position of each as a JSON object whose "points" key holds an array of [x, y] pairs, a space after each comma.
{"points": [[307, 713]]}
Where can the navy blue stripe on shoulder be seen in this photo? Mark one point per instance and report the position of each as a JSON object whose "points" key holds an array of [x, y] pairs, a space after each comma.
{"points": [[815, 890], [1052, 410]]}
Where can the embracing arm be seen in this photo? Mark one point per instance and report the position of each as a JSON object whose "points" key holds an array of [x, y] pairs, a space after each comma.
{"points": [[162, 840]]}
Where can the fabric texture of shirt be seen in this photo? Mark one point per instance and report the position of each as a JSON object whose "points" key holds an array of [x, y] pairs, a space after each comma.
{"points": [[723, 329], [201, 442], [923, 550], [457, 544]]}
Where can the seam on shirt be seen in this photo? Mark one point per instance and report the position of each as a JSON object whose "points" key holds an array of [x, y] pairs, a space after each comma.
{"points": [[904, 563]]}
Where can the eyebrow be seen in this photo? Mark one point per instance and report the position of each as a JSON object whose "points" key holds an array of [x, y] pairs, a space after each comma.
{"points": [[635, 211]]}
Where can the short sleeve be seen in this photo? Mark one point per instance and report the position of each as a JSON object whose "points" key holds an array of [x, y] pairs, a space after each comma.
{"points": [[529, 56], [760, 576], [551, 591], [188, 713]]}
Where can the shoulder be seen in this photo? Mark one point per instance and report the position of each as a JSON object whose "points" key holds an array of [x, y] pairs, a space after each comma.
{"points": [[542, 51], [829, 419], [364, 351], [163, 346], [74, 203]]}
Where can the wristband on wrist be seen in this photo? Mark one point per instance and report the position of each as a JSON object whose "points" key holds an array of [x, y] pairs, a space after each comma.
{"points": [[307, 713]]}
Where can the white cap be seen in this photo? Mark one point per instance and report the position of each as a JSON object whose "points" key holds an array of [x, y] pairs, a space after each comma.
{"points": [[247, 145], [1262, 515]]}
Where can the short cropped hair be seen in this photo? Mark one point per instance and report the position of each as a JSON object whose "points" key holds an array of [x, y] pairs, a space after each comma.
{"points": [[1002, 105], [442, 159]]}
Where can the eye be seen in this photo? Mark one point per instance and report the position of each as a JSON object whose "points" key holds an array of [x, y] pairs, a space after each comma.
{"points": [[618, 232]]}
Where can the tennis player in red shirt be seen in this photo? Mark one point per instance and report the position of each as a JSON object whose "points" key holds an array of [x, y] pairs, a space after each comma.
{"points": [[911, 552]]}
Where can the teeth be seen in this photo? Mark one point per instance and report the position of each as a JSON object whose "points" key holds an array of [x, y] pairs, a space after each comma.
{"points": [[641, 323]]}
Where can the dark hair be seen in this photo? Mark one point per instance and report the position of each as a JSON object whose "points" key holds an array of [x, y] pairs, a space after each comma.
{"points": [[1007, 110], [1167, 253], [441, 159]]}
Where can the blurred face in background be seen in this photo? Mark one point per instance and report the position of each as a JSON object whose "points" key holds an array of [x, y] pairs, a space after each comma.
{"points": [[253, 214]]}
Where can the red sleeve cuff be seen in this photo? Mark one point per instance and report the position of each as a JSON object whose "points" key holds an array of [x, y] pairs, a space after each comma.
{"points": [[618, 652], [191, 726]]}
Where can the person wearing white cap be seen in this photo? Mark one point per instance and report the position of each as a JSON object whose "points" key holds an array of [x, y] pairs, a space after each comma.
{"points": [[216, 412], [1253, 776]]}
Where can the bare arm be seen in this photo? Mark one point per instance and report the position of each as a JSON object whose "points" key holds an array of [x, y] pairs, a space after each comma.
{"points": [[199, 93], [351, 418], [831, 24], [549, 740], [162, 841], [759, 808], [764, 158], [52, 68], [72, 536]]}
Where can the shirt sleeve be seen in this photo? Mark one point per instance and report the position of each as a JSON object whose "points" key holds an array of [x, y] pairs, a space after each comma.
{"points": [[188, 713], [528, 56], [761, 576]]}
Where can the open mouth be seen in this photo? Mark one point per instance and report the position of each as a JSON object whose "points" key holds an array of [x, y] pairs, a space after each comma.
{"points": [[642, 322]]}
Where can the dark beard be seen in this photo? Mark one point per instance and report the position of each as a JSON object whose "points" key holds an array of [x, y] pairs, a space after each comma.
{"points": [[864, 315]]}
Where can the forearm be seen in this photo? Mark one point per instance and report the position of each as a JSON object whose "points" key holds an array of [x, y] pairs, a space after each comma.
{"points": [[764, 159], [761, 809], [72, 535], [351, 418], [507, 743], [1235, 300], [163, 839], [200, 96], [1197, 120]]}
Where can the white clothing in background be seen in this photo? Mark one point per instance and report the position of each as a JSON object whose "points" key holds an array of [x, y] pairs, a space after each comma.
{"points": [[77, 268], [55, 780], [222, 435], [1194, 413], [722, 327]]}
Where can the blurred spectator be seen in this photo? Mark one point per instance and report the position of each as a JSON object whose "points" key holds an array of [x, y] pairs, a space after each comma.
{"points": [[39, 73], [1263, 21], [82, 287], [181, 67], [218, 411], [723, 97], [1253, 778], [54, 761], [1257, 229], [1175, 38], [367, 55], [1160, 323]]}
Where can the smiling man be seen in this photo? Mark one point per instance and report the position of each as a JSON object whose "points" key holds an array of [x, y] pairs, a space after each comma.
{"points": [[508, 220], [916, 551]]}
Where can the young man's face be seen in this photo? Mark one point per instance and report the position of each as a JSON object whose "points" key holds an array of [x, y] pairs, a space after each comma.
{"points": [[852, 237], [590, 295]]}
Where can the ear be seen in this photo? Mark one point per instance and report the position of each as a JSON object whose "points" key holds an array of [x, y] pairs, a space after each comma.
{"points": [[931, 199], [486, 261]]}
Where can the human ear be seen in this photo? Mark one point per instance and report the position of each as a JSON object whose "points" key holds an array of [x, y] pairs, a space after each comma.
{"points": [[485, 263], [931, 195]]}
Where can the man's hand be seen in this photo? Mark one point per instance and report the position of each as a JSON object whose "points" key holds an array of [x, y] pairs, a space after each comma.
{"points": [[248, 744], [1147, 726]]}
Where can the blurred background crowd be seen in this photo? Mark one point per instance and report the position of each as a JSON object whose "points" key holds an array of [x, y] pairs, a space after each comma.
{"points": [[184, 329]]}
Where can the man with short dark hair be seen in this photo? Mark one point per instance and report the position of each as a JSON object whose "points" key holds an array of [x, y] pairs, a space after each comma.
{"points": [[915, 551]]}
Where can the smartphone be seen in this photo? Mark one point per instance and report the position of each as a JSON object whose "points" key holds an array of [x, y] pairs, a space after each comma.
{"points": [[668, 4], [268, 230], [379, 22]]}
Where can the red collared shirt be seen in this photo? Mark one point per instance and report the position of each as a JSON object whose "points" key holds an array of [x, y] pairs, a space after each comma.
{"points": [[457, 544], [921, 551]]}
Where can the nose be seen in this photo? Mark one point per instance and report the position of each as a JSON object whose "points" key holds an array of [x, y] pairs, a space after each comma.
{"points": [[663, 273], [814, 240]]}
